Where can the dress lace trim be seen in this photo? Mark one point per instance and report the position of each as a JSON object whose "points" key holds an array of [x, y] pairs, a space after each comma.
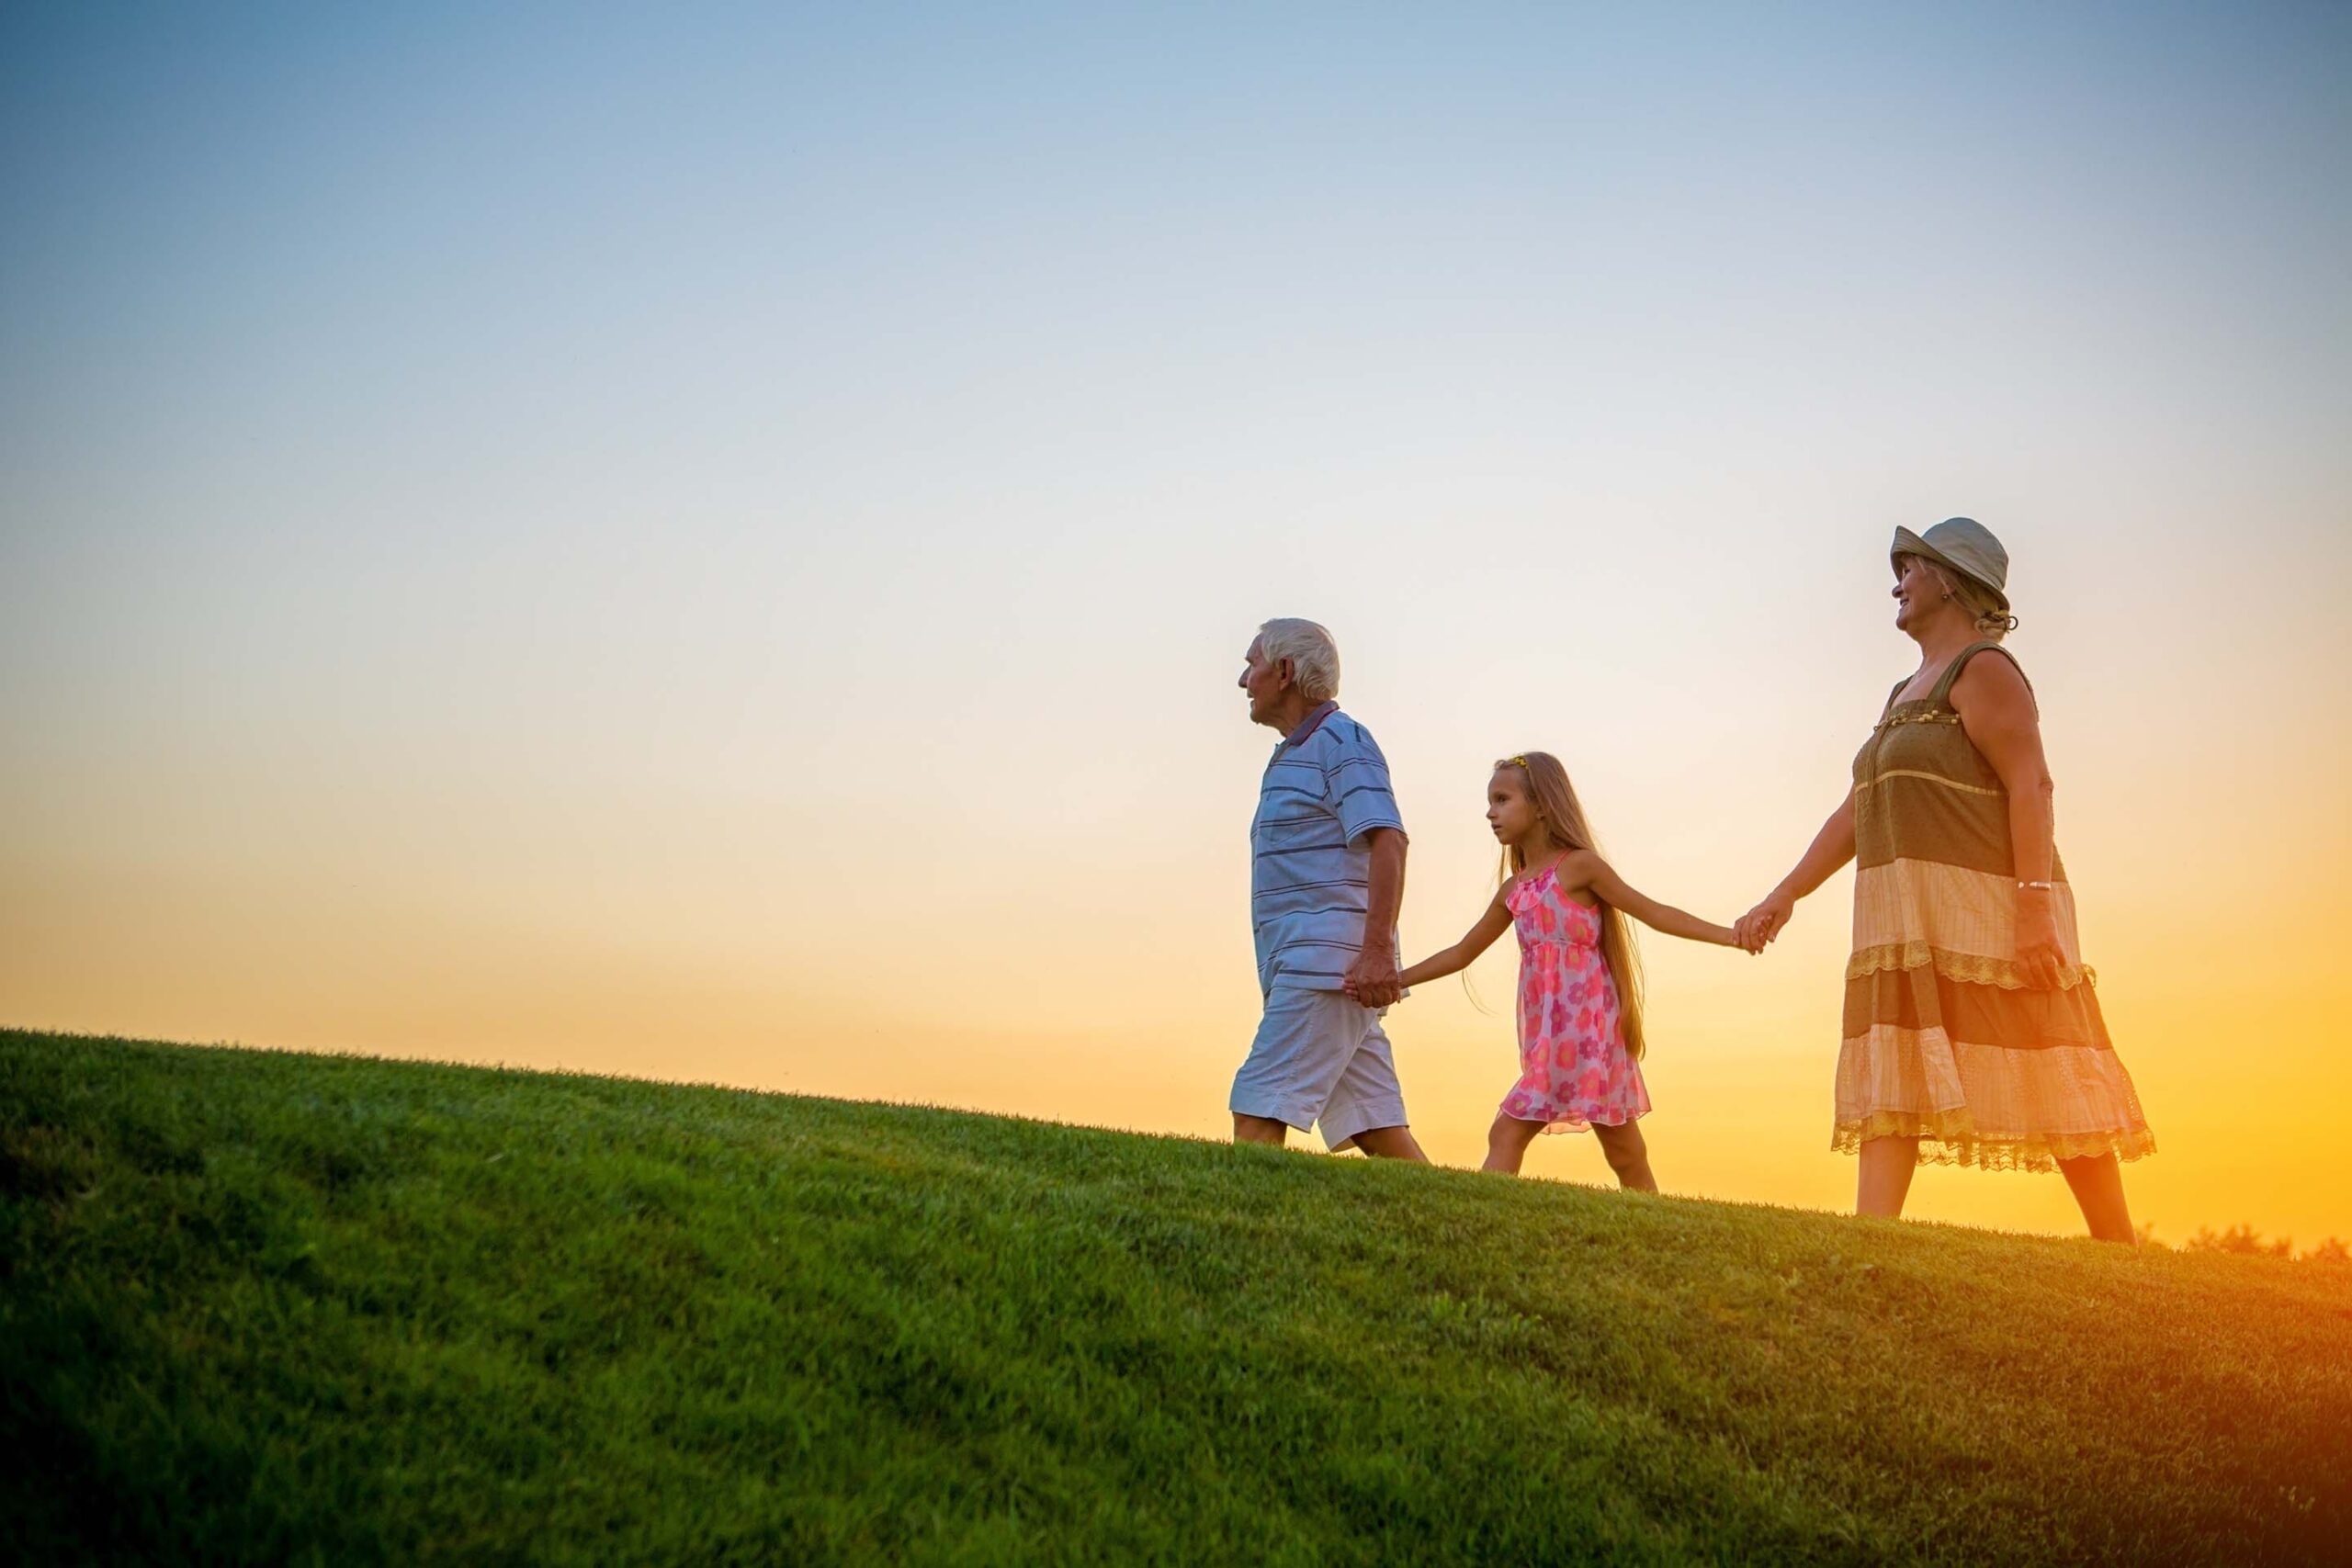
{"points": [[1949, 1138], [1969, 968]]}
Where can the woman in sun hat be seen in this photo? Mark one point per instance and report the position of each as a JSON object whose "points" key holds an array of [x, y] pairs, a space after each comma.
{"points": [[1971, 1031]]}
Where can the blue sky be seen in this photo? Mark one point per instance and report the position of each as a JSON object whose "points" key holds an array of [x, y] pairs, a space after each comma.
{"points": [[494, 506]]}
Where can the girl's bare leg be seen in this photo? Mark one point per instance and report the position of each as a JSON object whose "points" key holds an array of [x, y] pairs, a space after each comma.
{"points": [[1887, 1165], [1629, 1157], [1506, 1142], [2097, 1185]]}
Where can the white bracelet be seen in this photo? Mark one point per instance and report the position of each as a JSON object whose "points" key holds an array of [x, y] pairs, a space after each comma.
{"points": [[2050, 887]]}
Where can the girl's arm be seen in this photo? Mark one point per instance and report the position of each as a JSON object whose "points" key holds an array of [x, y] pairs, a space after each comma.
{"points": [[1831, 848], [1583, 869], [1996, 708], [1492, 924]]}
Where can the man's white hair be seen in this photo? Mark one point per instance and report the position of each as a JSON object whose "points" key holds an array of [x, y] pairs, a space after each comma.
{"points": [[1313, 656]]}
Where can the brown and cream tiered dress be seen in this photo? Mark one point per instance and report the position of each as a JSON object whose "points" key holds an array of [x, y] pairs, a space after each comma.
{"points": [[1943, 1039]]}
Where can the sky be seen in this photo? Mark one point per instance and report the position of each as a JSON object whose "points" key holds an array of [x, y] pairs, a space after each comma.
{"points": [[715, 544]]}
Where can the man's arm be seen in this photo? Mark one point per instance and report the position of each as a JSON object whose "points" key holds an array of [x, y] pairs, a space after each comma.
{"points": [[1372, 978]]}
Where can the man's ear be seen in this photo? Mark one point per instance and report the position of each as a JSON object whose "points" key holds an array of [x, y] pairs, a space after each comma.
{"points": [[1288, 669]]}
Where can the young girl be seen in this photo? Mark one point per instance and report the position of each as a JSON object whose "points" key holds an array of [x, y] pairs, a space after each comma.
{"points": [[1579, 978]]}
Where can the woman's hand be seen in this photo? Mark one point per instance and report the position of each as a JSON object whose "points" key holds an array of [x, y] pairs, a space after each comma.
{"points": [[2040, 958], [1760, 925]]}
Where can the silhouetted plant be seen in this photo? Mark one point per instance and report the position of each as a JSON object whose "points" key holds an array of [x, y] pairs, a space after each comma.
{"points": [[2242, 1239]]}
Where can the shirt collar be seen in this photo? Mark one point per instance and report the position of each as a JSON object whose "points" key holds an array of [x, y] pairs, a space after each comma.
{"points": [[1309, 725]]}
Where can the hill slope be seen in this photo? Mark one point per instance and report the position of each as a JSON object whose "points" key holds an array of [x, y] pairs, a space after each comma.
{"points": [[258, 1305]]}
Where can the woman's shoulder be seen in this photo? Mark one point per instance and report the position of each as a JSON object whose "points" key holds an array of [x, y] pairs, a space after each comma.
{"points": [[2000, 679]]}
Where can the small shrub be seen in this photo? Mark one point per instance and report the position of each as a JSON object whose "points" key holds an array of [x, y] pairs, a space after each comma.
{"points": [[2240, 1239]]}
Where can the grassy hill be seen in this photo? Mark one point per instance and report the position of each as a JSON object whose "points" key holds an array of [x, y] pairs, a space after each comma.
{"points": [[270, 1307]]}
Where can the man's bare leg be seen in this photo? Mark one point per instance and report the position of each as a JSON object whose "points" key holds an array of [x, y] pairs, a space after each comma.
{"points": [[1389, 1143], [1258, 1130]]}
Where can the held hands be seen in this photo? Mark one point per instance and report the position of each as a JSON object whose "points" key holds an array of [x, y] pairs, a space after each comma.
{"points": [[1756, 928], [1370, 980]]}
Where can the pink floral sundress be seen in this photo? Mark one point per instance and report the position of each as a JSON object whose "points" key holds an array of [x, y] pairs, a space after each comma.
{"points": [[1573, 1068]]}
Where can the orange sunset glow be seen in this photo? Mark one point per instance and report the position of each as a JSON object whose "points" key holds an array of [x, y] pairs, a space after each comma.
{"points": [[754, 594]]}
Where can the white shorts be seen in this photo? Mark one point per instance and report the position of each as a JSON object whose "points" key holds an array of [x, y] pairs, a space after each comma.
{"points": [[1319, 1056]]}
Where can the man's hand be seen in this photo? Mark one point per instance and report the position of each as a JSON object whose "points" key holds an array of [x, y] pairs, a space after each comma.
{"points": [[1372, 978]]}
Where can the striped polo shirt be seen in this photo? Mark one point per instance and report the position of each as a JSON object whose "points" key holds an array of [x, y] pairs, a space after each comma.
{"points": [[1310, 863]]}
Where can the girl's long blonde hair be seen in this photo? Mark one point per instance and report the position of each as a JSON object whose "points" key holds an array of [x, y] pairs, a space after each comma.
{"points": [[1563, 818]]}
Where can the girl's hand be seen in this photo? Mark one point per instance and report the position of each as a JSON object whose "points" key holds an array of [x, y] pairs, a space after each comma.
{"points": [[1760, 925], [2039, 954]]}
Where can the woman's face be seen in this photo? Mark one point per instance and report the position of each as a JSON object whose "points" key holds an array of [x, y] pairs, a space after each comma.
{"points": [[1511, 812], [1918, 592]]}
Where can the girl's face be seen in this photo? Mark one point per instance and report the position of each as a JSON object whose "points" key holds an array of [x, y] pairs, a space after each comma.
{"points": [[1511, 811]]}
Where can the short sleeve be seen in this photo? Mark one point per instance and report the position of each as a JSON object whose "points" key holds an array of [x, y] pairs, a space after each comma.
{"points": [[1355, 781]]}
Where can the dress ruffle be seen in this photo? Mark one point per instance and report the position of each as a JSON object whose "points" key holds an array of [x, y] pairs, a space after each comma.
{"points": [[1991, 1106]]}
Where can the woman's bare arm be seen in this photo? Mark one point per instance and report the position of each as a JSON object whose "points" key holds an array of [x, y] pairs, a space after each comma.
{"points": [[1997, 710], [1831, 849]]}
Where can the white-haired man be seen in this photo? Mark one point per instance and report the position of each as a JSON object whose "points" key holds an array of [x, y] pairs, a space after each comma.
{"points": [[1327, 874]]}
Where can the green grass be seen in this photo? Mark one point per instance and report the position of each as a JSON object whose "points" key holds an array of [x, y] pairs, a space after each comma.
{"points": [[259, 1306]]}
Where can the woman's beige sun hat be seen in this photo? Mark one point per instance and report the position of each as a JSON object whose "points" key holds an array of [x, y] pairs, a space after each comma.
{"points": [[1964, 546]]}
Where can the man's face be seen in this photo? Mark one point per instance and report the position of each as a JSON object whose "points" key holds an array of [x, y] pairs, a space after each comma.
{"points": [[1265, 683]]}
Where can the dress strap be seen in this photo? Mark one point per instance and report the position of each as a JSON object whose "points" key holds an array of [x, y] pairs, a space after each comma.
{"points": [[1941, 696]]}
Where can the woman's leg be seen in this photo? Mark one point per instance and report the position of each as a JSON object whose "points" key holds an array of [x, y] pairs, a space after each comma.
{"points": [[2098, 1184], [1506, 1142], [1887, 1163], [1629, 1155]]}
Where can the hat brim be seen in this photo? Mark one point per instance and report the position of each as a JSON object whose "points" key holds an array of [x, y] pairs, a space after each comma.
{"points": [[1907, 543]]}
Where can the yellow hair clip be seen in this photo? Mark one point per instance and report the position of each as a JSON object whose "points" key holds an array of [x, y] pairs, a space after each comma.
{"points": [[1519, 761]]}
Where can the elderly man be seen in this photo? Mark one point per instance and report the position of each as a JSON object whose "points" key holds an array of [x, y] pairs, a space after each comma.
{"points": [[1327, 873]]}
